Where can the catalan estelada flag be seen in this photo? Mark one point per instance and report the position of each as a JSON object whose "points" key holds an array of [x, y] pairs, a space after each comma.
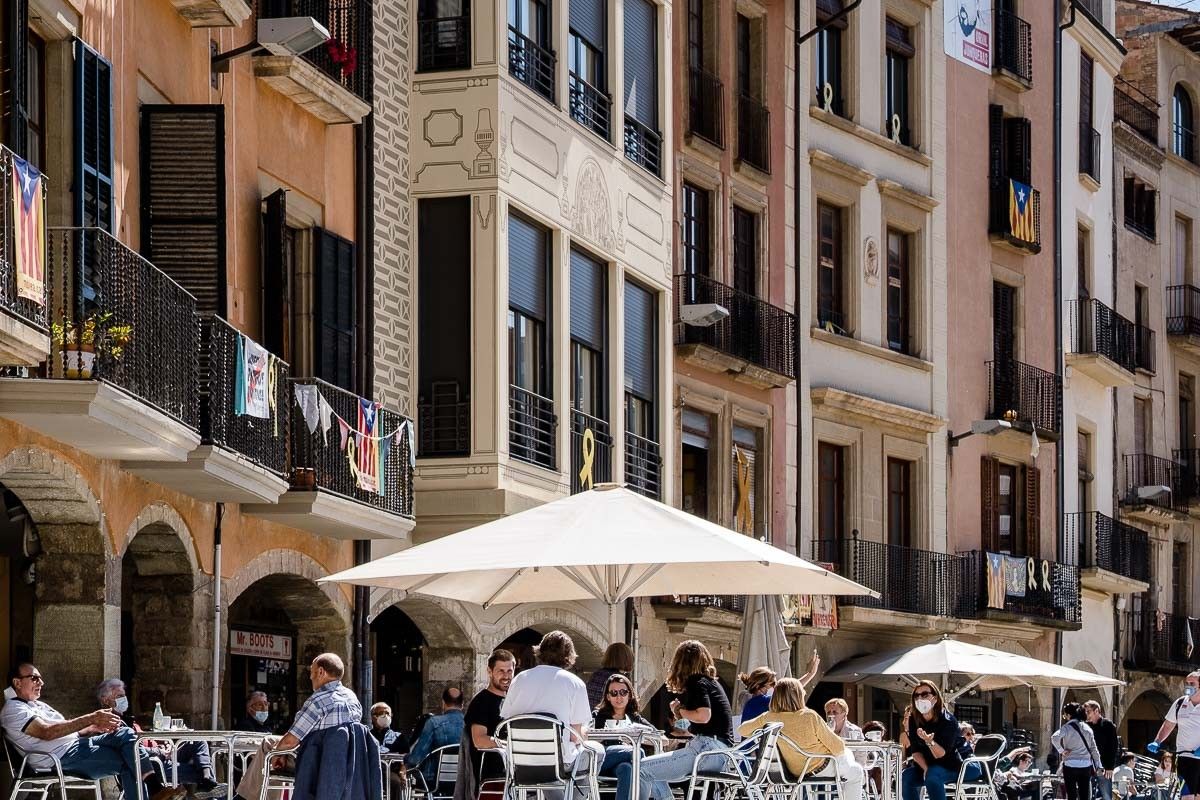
{"points": [[368, 446], [1020, 211], [29, 231]]}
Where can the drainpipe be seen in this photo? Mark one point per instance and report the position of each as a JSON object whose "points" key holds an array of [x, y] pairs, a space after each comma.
{"points": [[1059, 489], [216, 648]]}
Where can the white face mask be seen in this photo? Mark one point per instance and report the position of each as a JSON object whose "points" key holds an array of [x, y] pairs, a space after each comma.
{"points": [[924, 705], [121, 705], [874, 736], [261, 716], [385, 721]]}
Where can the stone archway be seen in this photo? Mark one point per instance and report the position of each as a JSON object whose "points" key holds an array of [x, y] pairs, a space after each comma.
{"points": [[77, 606], [590, 639], [1147, 705], [166, 632]]}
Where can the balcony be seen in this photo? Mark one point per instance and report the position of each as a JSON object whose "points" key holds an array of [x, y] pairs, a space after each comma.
{"points": [[1113, 557], [1012, 55], [531, 64], [444, 421], [706, 106], [643, 146], [1183, 318], [120, 381], [1189, 472], [698, 615], [1160, 642], [213, 13], [332, 81], [1089, 152], [754, 343], [359, 487], [1048, 592], [1136, 109], [1155, 488], [24, 329], [1015, 215], [754, 133], [1027, 397], [241, 458], [643, 466], [443, 43], [589, 106], [532, 426], [591, 452], [1104, 345]]}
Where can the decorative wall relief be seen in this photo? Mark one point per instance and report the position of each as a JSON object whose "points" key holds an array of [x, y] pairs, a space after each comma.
{"points": [[620, 221], [485, 214], [871, 261], [535, 147], [564, 199], [505, 170], [484, 165], [591, 215], [443, 127]]}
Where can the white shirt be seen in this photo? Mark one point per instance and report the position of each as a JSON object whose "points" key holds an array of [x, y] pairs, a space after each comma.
{"points": [[549, 690], [1186, 715], [1123, 780], [17, 716]]}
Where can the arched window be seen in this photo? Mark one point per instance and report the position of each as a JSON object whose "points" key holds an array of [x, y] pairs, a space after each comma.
{"points": [[1183, 128]]}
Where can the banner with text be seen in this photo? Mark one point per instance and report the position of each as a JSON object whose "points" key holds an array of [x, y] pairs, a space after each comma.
{"points": [[260, 645], [968, 32]]}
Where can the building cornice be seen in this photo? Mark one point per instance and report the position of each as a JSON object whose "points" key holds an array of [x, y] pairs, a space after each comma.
{"points": [[871, 408]]}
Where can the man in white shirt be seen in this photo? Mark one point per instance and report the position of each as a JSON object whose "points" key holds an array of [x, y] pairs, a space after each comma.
{"points": [[1184, 713], [550, 689], [105, 749]]}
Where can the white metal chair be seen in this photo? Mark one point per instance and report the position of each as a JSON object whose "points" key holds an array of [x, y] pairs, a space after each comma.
{"points": [[445, 774], [988, 750], [273, 779], [534, 761], [786, 786], [729, 771], [30, 780]]}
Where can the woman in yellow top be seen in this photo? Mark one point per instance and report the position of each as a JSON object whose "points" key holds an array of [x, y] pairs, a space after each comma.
{"points": [[807, 730]]}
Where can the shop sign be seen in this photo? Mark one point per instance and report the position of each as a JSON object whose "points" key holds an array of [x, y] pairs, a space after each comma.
{"points": [[260, 645]]}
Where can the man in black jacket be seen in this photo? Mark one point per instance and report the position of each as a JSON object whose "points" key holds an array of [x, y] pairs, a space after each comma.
{"points": [[1106, 742]]}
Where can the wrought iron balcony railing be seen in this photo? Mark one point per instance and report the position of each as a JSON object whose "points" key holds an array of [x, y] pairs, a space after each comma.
{"points": [[28, 310], [1101, 542], [591, 451], [444, 421], [531, 427], [444, 44], [1136, 109], [907, 579], [1097, 329], [1089, 151], [1183, 310], [531, 64], [643, 465], [1155, 481], [1015, 213], [117, 318], [1161, 642], [590, 107], [1013, 49], [319, 463], [723, 602], [754, 133], [1050, 591], [1188, 460], [643, 146], [755, 330], [706, 106], [262, 441], [1028, 397], [347, 58]]}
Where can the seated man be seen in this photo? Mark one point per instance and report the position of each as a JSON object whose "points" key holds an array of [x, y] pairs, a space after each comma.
{"points": [[441, 730], [195, 764], [105, 748], [331, 704], [258, 715]]}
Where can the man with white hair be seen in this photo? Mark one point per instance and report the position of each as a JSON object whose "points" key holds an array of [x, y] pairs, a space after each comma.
{"points": [[258, 714], [1184, 713]]}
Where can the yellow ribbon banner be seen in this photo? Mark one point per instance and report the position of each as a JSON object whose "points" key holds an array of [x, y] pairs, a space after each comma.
{"points": [[588, 448]]}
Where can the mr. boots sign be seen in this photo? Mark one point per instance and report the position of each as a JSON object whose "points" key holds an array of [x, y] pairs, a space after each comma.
{"points": [[260, 645]]}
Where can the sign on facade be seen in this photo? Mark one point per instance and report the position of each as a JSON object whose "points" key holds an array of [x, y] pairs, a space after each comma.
{"points": [[968, 36], [260, 645]]}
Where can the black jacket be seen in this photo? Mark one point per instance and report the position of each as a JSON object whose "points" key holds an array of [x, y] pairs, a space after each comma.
{"points": [[1106, 742]]}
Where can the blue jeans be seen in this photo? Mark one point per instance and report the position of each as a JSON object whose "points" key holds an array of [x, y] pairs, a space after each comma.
{"points": [[195, 762], [614, 756], [107, 755], [933, 779], [658, 771]]}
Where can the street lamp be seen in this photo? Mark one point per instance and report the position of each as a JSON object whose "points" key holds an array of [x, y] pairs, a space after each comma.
{"points": [[981, 427], [283, 36]]}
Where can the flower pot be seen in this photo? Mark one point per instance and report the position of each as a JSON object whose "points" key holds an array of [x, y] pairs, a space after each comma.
{"points": [[78, 361]]}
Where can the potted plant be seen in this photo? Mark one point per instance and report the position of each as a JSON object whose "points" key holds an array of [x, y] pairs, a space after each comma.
{"points": [[99, 333]]}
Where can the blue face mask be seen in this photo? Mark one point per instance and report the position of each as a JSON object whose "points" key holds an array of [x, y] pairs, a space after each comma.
{"points": [[261, 716], [121, 705], [1188, 691]]}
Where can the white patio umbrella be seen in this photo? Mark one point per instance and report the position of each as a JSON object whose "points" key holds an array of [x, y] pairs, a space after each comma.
{"points": [[607, 544], [977, 666], [764, 642]]}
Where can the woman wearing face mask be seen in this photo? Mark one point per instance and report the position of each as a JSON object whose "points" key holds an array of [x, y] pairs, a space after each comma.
{"points": [[1080, 757], [930, 735]]}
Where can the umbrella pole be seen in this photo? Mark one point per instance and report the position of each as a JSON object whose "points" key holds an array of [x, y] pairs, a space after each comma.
{"points": [[613, 631]]}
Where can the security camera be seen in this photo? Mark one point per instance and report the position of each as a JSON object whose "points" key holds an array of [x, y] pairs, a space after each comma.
{"points": [[702, 314], [291, 36], [1152, 493], [989, 427]]}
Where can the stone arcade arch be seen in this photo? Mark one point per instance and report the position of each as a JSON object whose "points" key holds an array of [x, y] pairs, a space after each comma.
{"points": [[590, 639]]}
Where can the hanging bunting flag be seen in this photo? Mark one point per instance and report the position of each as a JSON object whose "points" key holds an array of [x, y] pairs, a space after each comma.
{"points": [[252, 379], [29, 231], [385, 447], [344, 431], [273, 392], [368, 446], [309, 400], [326, 412], [410, 434]]}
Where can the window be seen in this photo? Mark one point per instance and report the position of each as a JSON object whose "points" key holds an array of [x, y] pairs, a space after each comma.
{"points": [[1010, 495], [641, 362], [588, 318], [900, 52], [1141, 305], [1181, 261], [1187, 412], [829, 57], [1004, 323], [1014, 206], [1183, 124], [753, 117], [336, 281], [93, 189], [1141, 425], [831, 492], [706, 94], [1006, 510], [745, 72], [1140, 207], [746, 482], [899, 503], [831, 303], [35, 101], [1089, 138], [697, 58], [444, 27], [530, 59], [643, 142], [1083, 250], [1084, 448], [745, 251], [528, 301], [694, 232], [589, 99], [899, 291], [1180, 600], [696, 474]]}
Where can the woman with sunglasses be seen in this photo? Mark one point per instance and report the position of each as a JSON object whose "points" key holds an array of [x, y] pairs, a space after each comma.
{"points": [[930, 735], [619, 704]]}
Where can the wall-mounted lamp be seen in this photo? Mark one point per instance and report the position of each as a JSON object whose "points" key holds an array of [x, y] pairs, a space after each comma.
{"points": [[981, 427], [285, 36]]}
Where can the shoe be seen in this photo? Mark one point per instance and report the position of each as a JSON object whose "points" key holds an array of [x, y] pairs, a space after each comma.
{"points": [[210, 791], [169, 793]]}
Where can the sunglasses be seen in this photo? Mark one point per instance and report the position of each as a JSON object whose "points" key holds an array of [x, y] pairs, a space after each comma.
{"points": [[618, 693], [924, 694], [34, 678]]}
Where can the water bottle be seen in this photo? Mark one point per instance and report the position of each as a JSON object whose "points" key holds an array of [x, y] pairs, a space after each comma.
{"points": [[158, 717]]}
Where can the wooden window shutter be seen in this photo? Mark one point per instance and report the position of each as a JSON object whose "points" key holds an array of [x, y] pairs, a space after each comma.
{"points": [[996, 142], [183, 198], [1018, 134], [1033, 511], [276, 277], [989, 491], [334, 327], [93, 184], [14, 77]]}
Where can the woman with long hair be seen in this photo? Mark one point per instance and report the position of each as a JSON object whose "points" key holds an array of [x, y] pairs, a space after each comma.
{"points": [[620, 703], [618, 660], [1080, 756], [930, 735], [701, 708]]}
